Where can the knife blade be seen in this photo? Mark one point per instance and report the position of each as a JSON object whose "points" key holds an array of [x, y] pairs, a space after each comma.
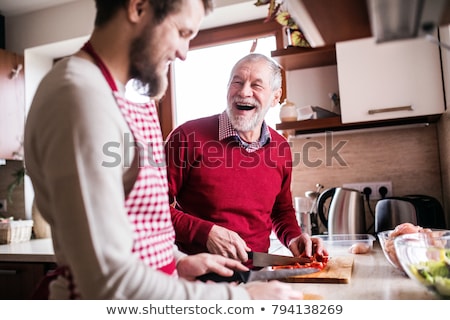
{"points": [[261, 259], [258, 275]]}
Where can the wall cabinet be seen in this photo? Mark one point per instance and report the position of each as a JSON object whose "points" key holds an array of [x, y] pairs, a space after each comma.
{"points": [[18, 280], [293, 58], [379, 85], [390, 80], [12, 105]]}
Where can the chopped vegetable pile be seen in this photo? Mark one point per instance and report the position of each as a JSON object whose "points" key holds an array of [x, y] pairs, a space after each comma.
{"points": [[316, 261], [435, 274]]}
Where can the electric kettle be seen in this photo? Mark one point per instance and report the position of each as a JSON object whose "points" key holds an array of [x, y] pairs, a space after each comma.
{"points": [[346, 213]]}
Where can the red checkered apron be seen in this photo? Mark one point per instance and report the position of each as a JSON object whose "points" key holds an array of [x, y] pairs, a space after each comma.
{"points": [[147, 204]]}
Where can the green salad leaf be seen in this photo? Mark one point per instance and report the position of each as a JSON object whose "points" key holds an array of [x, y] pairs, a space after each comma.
{"points": [[435, 274]]}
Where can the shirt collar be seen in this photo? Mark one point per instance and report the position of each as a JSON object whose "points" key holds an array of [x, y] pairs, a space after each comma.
{"points": [[226, 130]]}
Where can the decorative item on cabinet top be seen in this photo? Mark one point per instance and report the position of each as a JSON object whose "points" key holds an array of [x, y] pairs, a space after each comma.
{"points": [[278, 12]]}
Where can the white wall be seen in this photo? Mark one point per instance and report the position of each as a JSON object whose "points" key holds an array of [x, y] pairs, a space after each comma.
{"points": [[71, 20], [76, 19], [41, 37]]}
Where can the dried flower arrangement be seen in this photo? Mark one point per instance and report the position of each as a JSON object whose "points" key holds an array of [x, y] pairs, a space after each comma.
{"points": [[282, 16]]}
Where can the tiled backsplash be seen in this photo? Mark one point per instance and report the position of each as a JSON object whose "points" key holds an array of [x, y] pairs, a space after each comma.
{"points": [[407, 156]]}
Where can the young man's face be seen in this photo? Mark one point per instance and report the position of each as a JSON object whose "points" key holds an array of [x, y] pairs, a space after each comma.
{"points": [[160, 44]]}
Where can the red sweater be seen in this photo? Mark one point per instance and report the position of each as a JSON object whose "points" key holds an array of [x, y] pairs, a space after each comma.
{"points": [[219, 182]]}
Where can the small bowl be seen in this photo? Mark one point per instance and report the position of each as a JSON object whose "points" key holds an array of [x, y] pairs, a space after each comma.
{"points": [[425, 258]]}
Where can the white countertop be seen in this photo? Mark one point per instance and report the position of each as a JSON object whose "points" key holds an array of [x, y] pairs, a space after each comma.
{"points": [[36, 250], [373, 278]]}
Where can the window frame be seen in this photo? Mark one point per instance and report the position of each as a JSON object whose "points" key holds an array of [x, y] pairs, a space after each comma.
{"points": [[212, 37]]}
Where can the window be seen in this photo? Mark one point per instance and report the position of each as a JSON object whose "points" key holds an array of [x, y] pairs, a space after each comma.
{"points": [[200, 82], [198, 90]]}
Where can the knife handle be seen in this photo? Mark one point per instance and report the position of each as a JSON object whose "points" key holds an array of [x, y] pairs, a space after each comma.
{"points": [[238, 276]]}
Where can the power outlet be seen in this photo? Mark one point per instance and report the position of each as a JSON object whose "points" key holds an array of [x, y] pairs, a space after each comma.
{"points": [[375, 186], [3, 205]]}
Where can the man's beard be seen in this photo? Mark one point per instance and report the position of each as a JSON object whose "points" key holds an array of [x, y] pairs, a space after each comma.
{"points": [[144, 70], [244, 122]]}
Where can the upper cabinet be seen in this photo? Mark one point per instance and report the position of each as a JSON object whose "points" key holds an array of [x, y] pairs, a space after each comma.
{"points": [[379, 84], [326, 22], [390, 80], [12, 105], [293, 58]]}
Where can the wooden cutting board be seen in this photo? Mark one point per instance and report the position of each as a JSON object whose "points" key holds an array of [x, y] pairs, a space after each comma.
{"points": [[338, 270]]}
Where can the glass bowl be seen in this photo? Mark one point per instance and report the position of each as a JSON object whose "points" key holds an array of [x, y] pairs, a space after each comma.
{"points": [[387, 245], [386, 239], [425, 258]]}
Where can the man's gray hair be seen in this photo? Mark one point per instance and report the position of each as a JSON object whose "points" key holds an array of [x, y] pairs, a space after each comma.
{"points": [[276, 79]]}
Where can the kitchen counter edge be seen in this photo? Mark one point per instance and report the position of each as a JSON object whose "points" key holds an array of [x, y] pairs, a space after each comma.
{"points": [[35, 250]]}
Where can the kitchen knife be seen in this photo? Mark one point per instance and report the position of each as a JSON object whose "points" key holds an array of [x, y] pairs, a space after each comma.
{"points": [[261, 259], [258, 275]]}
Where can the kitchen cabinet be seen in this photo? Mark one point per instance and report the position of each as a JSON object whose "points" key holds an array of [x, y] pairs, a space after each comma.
{"points": [[22, 267], [293, 58], [18, 280], [12, 105], [336, 124], [326, 22], [405, 73], [390, 80]]}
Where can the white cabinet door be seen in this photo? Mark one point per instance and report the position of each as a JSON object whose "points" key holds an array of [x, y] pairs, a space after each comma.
{"points": [[389, 80]]}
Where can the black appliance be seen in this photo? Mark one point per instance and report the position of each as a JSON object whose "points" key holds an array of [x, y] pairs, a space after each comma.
{"points": [[420, 210]]}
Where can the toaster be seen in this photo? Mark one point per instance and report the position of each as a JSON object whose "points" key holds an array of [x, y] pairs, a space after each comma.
{"points": [[420, 210]]}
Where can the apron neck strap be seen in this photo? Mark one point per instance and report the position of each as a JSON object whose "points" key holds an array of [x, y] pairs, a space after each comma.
{"points": [[106, 73]]}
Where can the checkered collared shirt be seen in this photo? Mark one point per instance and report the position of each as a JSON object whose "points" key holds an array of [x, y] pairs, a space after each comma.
{"points": [[226, 130]]}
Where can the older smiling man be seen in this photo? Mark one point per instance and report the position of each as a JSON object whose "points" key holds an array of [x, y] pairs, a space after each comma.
{"points": [[230, 174]]}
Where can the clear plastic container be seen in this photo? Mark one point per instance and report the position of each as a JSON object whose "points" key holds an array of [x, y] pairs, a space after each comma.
{"points": [[352, 243]]}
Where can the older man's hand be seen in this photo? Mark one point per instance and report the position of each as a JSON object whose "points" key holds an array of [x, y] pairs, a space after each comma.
{"points": [[227, 243], [307, 246]]}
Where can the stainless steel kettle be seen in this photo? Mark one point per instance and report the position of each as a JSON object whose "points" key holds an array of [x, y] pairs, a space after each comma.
{"points": [[346, 213]]}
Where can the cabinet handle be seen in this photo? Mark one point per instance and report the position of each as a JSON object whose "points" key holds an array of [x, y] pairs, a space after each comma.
{"points": [[393, 109], [7, 272]]}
